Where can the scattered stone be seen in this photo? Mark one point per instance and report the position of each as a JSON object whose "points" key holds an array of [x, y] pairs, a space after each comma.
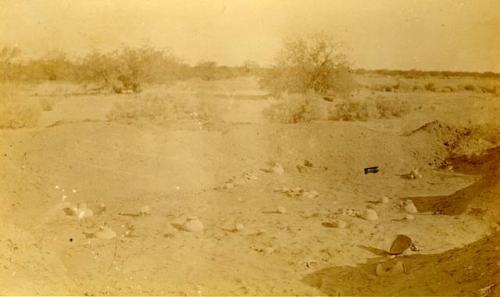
{"points": [[414, 174], [239, 227], [249, 176], [384, 199], [193, 224], [83, 212], [281, 210], [277, 168], [145, 210], [298, 192], [349, 212], [69, 210], [129, 232], [409, 217], [370, 215], [101, 209], [228, 185], [400, 244], [409, 207], [56, 187], [105, 233], [74, 190]]}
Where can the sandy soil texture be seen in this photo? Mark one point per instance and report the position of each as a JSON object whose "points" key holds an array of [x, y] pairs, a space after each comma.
{"points": [[238, 205]]}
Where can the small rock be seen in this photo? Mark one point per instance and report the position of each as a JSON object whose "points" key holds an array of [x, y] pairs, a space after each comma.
{"points": [[278, 169], [228, 186], [410, 207], [145, 210], [239, 227], [384, 199], [105, 233], [69, 210], [409, 217], [370, 215], [414, 174], [83, 212], [281, 209], [101, 209], [193, 224], [400, 244]]}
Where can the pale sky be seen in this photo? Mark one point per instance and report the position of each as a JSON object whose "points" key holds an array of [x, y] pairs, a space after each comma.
{"points": [[393, 34]]}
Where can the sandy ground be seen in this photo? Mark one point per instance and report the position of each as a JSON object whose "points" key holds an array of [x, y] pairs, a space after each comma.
{"points": [[247, 246]]}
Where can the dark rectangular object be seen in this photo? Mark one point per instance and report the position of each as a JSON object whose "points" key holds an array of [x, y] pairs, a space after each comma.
{"points": [[373, 169]]}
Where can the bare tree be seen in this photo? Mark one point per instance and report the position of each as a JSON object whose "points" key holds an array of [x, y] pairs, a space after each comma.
{"points": [[312, 62]]}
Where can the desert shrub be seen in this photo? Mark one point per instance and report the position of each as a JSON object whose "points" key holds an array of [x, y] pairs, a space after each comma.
{"points": [[162, 108], [350, 111], [129, 68], [306, 108], [447, 89], [14, 115], [469, 87], [418, 88], [389, 108], [296, 109], [153, 109], [488, 89], [311, 63], [430, 86]]}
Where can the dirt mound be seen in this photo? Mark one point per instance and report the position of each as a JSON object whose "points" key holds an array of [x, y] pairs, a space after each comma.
{"points": [[479, 198], [445, 140], [472, 270]]}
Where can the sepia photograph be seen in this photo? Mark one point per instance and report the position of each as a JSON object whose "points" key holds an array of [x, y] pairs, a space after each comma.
{"points": [[250, 148]]}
